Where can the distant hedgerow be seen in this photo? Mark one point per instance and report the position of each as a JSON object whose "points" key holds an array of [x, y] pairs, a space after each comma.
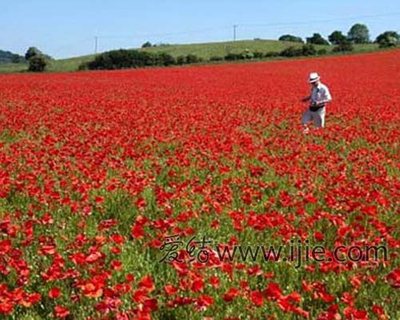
{"points": [[123, 59]]}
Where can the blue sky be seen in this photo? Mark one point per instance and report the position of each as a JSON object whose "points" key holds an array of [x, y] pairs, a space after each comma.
{"points": [[64, 28]]}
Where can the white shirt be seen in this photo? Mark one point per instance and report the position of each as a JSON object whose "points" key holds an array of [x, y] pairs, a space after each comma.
{"points": [[320, 93]]}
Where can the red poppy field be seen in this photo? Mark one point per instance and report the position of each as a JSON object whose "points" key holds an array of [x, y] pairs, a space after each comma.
{"points": [[124, 194]]}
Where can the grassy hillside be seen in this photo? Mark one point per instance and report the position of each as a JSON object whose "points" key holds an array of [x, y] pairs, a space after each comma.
{"points": [[207, 50], [204, 50], [9, 57], [70, 64]]}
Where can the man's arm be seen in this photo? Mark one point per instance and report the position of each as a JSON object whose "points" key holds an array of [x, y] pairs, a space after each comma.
{"points": [[306, 99], [327, 95]]}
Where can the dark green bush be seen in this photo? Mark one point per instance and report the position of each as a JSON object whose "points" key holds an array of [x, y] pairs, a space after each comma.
{"points": [[192, 58], [216, 58], [291, 52], [271, 54], [121, 59], [308, 50], [180, 60], [343, 47], [258, 55], [233, 56], [165, 59]]}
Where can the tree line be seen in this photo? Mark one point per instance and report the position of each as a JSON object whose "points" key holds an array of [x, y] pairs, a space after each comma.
{"points": [[358, 34]]}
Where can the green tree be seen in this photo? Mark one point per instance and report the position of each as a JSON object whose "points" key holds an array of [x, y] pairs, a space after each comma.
{"points": [[37, 63], [147, 44], [337, 37], [31, 52], [291, 38], [317, 39], [388, 39], [358, 33]]}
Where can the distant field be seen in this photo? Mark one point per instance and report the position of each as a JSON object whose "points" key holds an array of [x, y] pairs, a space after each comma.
{"points": [[204, 50]]}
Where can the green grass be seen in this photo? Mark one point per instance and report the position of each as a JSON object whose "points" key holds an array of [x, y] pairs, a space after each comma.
{"points": [[12, 67], [207, 50], [70, 64], [203, 50]]}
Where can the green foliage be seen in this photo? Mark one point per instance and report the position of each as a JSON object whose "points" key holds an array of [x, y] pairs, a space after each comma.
{"points": [[37, 59], [337, 37], [180, 60], [37, 63], [345, 46], [245, 55], [233, 56], [322, 52], [188, 59], [112, 60], [271, 54], [258, 55], [16, 58], [317, 39], [308, 50], [192, 58], [358, 33], [305, 50], [147, 44], [31, 52], [388, 39], [216, 58], [165, 59], [291, 38], [122, 59], [291, 52]]}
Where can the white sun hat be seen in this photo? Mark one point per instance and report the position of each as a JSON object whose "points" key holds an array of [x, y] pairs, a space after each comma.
{"points": [[313, 77]]}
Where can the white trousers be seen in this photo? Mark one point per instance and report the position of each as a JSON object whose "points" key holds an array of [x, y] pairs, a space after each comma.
{"points": [[317, 116]]}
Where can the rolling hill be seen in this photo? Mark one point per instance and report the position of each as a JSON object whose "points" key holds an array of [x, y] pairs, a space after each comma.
{"points": [[9, 57], [203, 50]]}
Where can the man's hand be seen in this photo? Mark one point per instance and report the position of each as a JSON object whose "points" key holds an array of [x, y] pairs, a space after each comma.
{"points": [[321, 103]]}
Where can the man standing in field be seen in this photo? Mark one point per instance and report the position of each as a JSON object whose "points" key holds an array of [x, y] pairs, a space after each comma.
{"points": [[318, 99]]}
